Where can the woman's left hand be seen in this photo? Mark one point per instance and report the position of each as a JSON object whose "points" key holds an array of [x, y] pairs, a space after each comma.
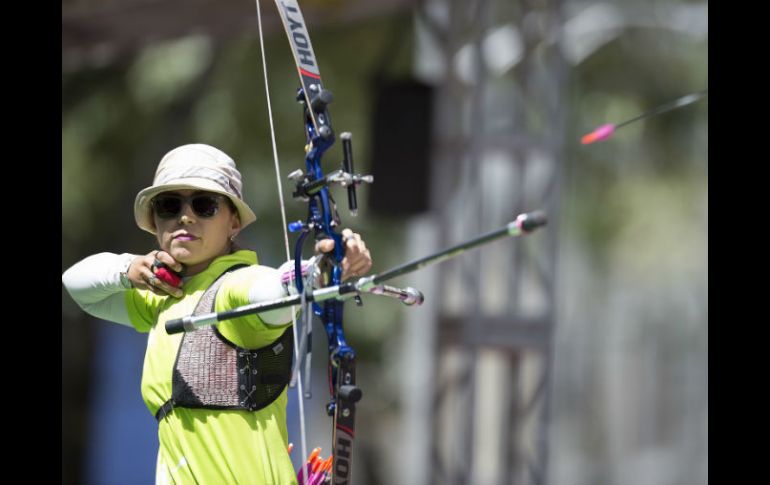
{"points": [[357, 260]]}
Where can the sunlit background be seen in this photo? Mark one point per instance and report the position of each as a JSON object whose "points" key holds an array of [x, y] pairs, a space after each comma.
{"points": [[576, 356]]}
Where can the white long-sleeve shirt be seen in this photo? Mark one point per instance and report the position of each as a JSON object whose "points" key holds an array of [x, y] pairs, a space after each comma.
{"points": [[94, 283]]}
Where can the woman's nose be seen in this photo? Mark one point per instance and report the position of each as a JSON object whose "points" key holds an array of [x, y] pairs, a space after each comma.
{"points": [[186, 216]]}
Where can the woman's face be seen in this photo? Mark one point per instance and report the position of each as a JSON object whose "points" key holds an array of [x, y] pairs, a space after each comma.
{"points": [[194, 226]]}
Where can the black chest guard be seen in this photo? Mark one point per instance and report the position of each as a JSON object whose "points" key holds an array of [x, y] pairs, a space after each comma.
{"points": [[212, 372]]}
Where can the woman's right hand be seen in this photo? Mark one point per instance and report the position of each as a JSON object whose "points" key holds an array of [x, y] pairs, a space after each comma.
{"points": [[141, 273]]}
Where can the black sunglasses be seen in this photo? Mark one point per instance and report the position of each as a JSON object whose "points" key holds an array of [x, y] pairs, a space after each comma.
{"points": [[168, 206]]}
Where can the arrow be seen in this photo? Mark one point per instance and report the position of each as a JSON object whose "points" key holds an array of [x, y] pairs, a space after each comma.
{"points": [[605, 131]]}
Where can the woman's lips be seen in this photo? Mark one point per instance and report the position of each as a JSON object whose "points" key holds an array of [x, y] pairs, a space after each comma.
{"points": [[185, 237]]}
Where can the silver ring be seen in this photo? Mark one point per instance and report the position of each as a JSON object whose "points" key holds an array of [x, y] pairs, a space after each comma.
{"points": [[156, 262], [153, 280]]}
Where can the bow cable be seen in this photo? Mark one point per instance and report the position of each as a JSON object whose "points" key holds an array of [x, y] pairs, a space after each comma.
{"points": [[300, 400]]}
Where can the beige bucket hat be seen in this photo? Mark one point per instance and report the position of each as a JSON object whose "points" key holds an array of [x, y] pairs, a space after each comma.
{"points": [[194, 166]]}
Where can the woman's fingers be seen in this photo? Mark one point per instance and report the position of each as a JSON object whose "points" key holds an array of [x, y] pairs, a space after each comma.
{"points": [[357, 260], [166, 259], [142, 273], [160, 287], [324, 245]]}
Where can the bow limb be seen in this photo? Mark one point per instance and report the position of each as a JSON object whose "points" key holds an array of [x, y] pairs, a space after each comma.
{"points": [[323, 221]]}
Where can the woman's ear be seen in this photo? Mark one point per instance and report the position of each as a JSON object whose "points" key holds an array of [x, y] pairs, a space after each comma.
{"points": [[235, 226]]}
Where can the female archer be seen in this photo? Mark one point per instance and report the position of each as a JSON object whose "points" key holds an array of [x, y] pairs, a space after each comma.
{"points": [[219, 394]]}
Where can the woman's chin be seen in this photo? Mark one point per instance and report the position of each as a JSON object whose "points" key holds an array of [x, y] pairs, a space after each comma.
{"points": [[183, 256]]}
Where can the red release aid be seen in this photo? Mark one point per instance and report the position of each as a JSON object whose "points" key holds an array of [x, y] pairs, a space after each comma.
{"points": [[170, 277]]}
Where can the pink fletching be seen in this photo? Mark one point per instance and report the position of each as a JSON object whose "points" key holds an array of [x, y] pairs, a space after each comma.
{"points": [[599, 134]]}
